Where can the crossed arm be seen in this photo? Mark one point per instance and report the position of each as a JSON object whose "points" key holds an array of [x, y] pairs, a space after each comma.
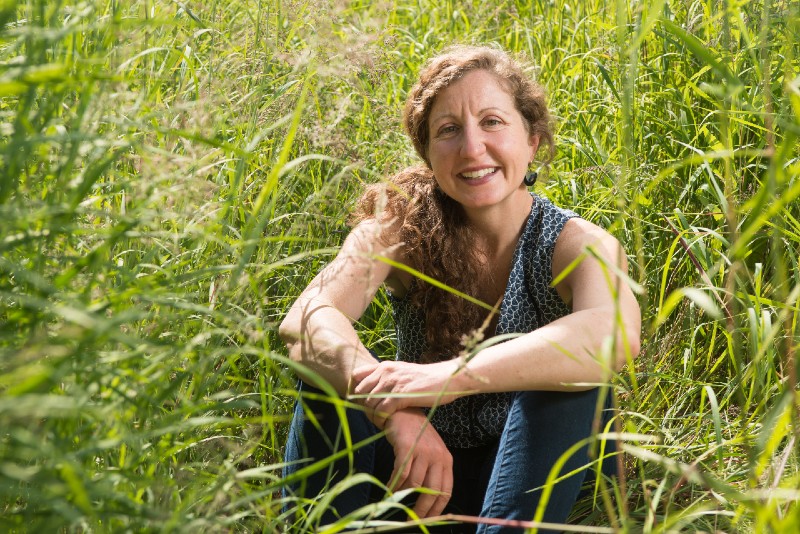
{"points": [[318, 332], [577, 351]]}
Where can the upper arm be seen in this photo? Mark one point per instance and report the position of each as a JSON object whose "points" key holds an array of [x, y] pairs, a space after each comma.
{"points": [[596, 278], [350, 281]]}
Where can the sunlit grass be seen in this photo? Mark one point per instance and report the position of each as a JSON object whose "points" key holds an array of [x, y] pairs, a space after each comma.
{"points": [[173, 174]]}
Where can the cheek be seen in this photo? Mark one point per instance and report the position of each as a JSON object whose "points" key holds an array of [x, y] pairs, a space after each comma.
{"points": [[438, 157], [524, 152], [520, 154]]}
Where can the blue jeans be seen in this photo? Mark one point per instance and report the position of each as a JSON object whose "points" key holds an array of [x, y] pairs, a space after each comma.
{"points": [[491, 481]]}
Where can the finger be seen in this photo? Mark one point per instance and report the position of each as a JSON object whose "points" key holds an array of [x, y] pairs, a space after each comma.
{"points": [[446, 492], [431, 504], [362, 371], [440, 479], [379, 419], [365, 383], [433, 481], [381, 409], [401, 474], [387, 404], [439, 505], [415, 479], [425, 502], [374, 414]]}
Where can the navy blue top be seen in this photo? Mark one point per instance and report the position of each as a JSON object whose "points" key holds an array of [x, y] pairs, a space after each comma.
{"points": [[529, 302]]}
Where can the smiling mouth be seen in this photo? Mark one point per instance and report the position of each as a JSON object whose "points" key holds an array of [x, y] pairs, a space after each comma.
{"points": [[472, 175]]}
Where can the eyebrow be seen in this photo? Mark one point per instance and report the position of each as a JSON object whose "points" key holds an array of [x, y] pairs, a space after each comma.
{"points": [[480, 112]]}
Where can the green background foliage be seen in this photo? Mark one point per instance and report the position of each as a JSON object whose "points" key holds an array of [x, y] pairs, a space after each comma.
{"points": [[172, 174]]}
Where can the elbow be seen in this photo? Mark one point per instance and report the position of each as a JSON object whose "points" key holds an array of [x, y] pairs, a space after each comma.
{"points": [[633, 346], [289, 332], [628, 347], [629, 340]]}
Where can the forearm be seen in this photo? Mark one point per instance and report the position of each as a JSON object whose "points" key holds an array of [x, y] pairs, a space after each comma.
{"points": [[585, 347], [324, 341], [575, 352], [318, 329]]}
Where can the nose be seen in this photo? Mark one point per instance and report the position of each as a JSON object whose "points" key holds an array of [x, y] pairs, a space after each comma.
{"points": [[472, 141]]}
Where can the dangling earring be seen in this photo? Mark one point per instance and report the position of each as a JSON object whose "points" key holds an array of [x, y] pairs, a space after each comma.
{"points": [[530, 178]]}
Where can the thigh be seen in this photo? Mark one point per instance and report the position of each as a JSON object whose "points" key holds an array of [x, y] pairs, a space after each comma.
{"points": [[542, 426]]}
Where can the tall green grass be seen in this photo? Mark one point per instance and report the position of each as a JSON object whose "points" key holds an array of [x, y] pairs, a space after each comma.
{"points": [[172, 174]]}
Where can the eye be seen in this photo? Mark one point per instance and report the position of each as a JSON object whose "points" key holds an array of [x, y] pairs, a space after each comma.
{"points": [[446, 130], [492, 122]]}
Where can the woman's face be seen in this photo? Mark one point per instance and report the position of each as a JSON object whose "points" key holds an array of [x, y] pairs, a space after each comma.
{"points": [[479, 146]]}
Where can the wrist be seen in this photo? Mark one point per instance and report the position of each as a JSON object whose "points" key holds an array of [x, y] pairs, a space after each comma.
{"points": [[401, 421], [407, 413]]}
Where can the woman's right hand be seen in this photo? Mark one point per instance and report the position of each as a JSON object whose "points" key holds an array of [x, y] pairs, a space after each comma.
{"points": [[421, 460]]}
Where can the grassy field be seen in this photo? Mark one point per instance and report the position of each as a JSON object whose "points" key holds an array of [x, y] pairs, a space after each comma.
{"points": [[173, 173]]}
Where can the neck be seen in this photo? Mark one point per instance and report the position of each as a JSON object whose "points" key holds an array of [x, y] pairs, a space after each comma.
{"points": [[498, 227]]}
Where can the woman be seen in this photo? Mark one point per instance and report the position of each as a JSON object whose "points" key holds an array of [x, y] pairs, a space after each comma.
{"points": [[481, 431]]}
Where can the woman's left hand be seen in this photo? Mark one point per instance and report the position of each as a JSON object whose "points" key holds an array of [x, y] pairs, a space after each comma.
{"points": [[390, 386]]}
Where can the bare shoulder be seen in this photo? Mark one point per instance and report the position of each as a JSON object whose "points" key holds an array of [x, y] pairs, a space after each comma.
{"points": [[576, 240], [582, 254], [378, 243], [349, 282], [367, 240]]}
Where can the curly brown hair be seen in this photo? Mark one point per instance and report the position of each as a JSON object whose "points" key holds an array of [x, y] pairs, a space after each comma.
{"points": [[437, 238]]}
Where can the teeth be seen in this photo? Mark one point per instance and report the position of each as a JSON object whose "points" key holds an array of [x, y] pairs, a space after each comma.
{"points": [[478, 174]]}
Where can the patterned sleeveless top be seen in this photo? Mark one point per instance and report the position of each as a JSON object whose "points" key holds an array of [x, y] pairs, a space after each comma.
{"points": [[528, 303]]}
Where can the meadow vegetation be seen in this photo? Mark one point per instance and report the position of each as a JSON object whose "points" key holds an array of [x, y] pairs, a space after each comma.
{"points": [[173, 173]]}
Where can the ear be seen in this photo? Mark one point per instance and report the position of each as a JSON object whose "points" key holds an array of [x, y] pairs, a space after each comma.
{"points": [[533, 142]]}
